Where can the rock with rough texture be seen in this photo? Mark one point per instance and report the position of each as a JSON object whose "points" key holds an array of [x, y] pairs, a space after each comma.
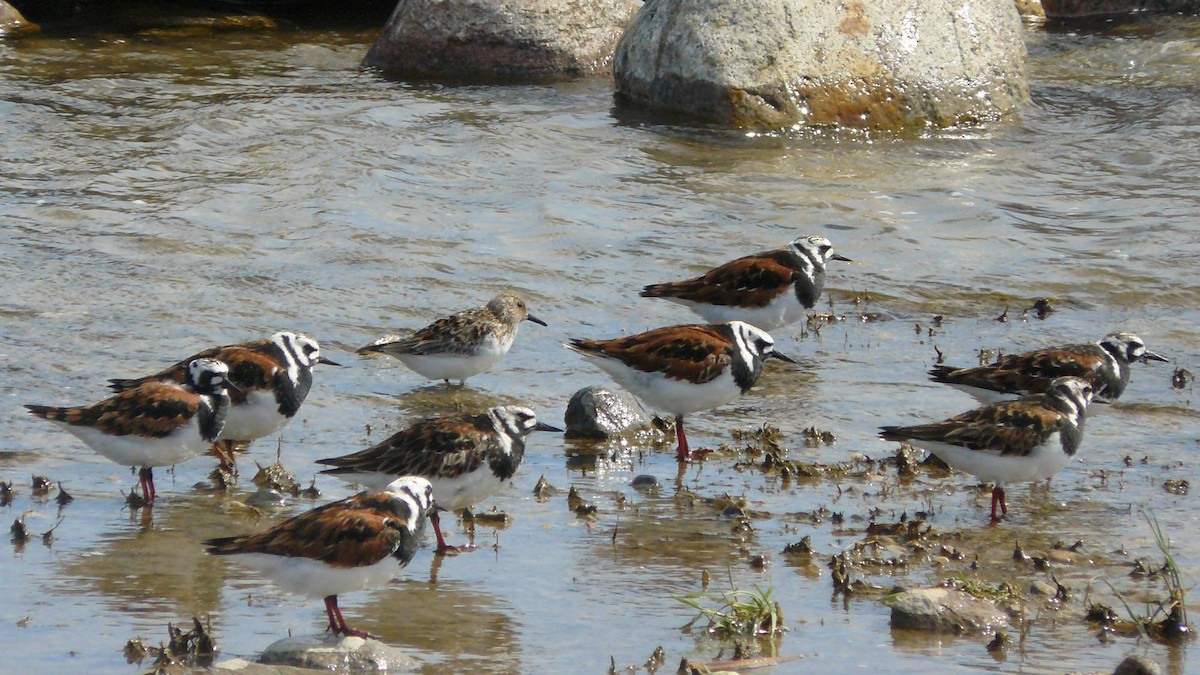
{"points": [[942, 610], [244, 667], [1080, 9], [1137, 665], [13, 23], [338, 654], [599, 412], [1031, 9], [779, 63], [500, 39]]}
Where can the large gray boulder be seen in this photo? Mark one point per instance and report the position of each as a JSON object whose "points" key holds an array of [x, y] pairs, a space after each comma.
{"points": [[778, 63], [500, 39]]}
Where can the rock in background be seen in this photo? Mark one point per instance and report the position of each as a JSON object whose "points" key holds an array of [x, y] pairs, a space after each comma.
{"points": [[778, 63], [500, 39], [12, 23]]}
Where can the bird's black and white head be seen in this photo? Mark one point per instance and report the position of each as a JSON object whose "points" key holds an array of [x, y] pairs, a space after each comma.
{"points": [[415, 495], [516, 421], [815, 249], [754, 344], [302, 353], [209, 376], [1128, 348], [1073, 395]]}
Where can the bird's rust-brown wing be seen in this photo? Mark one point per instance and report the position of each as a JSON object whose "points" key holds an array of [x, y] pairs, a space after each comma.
{"points": [[354, 532], [154, 410], [1005, 428], [441, 447], [752, 281], [695, 353], [251, 368]]}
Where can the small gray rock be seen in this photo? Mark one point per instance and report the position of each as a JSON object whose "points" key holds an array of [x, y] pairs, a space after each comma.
{"points": [[942, 610], [1136, 664], [338, 655], [1045, 588], [598, 412]]}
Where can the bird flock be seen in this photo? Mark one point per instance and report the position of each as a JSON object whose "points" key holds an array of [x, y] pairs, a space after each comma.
{"points": [[1029, 426]]}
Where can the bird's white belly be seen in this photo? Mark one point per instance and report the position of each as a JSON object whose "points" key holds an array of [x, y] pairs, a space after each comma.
{"points": [[677, 397], [1044, 462], [258, 417], [781, 311], [315, 579], [457, 366], [452, 494], [132, 450]]}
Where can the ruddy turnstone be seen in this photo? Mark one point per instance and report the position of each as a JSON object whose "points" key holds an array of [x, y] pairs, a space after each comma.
{"points": [[768, 290], [349, 545], [467, 457], [155, 423], [272, 376], [1028, 439], [1104, 364], [684, 369], [460, 345]]}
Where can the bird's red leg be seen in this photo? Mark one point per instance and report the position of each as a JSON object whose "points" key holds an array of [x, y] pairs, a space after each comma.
{"points": [[146, 478], [998, 499], [442, 547], [331, 606], [684, 453]]}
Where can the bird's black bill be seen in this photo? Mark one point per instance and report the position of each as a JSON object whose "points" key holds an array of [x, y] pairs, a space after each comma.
{"points": [[839, 256], [542, 426], [322, 359], [782, 357], [530, 317], [1151, 356], [232, 387]]}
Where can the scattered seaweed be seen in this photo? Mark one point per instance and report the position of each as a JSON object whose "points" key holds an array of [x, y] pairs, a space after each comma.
{"points": [[41, 486], [63, 497], [276, 477], [183, 650]]}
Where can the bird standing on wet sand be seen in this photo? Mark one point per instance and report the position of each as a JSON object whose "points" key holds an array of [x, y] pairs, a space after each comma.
{"points": [[769, 290], [461, 345], [467, 457], [272, 377], [154, 423], [684, 369], [1105, 364], [1028, 439], [354, 544]]}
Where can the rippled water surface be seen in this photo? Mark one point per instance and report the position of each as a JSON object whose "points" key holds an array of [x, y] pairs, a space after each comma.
{"points": [[163, 193]]}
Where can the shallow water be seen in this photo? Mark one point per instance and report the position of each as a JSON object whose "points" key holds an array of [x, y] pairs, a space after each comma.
{"points": [[161, 195]]}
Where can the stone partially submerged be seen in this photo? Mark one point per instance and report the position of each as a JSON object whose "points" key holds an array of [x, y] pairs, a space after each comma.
{"points": [[500, 39], [944, 610], [775, 64], [13, 23]]}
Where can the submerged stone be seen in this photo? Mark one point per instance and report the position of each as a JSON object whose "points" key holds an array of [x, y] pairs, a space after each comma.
{"points": [[942, 610], [338, 654], [599, 412]]}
